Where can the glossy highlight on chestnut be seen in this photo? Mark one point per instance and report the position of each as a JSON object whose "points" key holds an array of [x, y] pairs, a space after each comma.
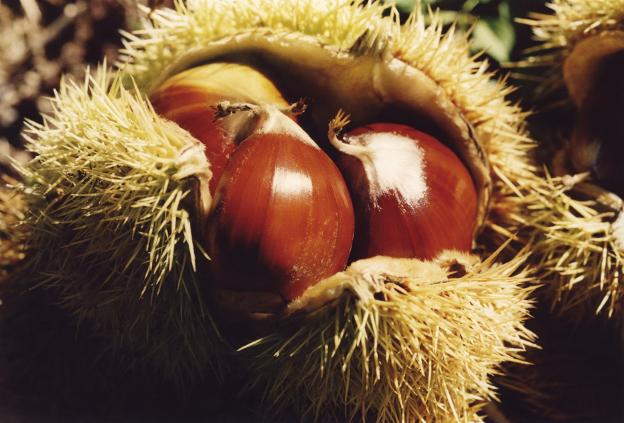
{"points": [[283, 219], [190, 97], [412, 195]]}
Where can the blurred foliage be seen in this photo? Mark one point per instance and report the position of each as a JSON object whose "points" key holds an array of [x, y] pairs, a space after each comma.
{"points": [[491, 23], [40, 40]]}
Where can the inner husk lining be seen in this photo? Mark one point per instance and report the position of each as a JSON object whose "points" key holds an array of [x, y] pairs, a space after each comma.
{"points": [[364, 86]]}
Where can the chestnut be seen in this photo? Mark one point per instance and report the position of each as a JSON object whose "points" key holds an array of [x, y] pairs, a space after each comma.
{"points": [[413, 197], [282, 218], [189, 99]]}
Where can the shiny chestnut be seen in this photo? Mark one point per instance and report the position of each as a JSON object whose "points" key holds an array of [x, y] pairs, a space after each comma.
{"points": [[282, 217], [190, 97], [413, 197]]}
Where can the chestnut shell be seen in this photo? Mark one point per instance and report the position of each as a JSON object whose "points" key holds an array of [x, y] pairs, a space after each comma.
{"points": [[190, 97], [435, 211], [282, 217]]}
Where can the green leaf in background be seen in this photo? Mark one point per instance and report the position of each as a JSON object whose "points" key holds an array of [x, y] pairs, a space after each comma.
{"points": [[496, 36], [404, 6], [491, 21]]}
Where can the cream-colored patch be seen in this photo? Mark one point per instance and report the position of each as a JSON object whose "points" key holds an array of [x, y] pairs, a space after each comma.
{"points": [[618, 230], [375, 272], [393, 163], [289, 183]]}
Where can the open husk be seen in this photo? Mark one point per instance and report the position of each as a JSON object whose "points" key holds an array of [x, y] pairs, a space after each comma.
{"points": [[113, 192], [577, 225]]}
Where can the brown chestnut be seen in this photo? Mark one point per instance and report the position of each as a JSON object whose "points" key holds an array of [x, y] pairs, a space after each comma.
{"points": [[413, 197], [282, 217], [189, 98]]}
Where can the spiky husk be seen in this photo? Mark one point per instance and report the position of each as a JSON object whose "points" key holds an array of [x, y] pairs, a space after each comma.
{"points": [[576, 247], [571, 22], [108, 195], [328, 364], [406, 341], [574, 20]]}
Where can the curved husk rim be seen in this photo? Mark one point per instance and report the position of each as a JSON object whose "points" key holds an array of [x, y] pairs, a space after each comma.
{"points": [[584, 60], [357, 29]]}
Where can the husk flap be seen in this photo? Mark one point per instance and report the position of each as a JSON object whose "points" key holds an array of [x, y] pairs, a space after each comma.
{"points": [[585, 60]]}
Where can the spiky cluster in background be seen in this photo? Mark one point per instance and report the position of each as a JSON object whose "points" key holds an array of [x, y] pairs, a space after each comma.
{"points": [[575, 232], [576, 226], [569, 22], [577, 245]]}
